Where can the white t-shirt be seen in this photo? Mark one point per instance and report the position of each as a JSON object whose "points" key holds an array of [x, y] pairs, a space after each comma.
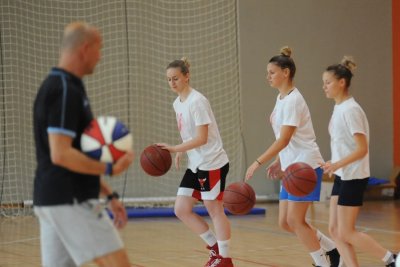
{"points": [[292, 110], [193, 112], [348, 118]]}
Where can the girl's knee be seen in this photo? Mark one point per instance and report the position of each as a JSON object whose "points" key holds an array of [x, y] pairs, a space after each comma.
{"points": [[333, 231], [284, 225], [181, 212], [214, 208], [344, 236], [295, 223], [217, 214]]}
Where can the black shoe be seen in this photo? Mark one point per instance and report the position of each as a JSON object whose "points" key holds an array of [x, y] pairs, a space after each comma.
{"points": [[334, 257], [393, 264]]}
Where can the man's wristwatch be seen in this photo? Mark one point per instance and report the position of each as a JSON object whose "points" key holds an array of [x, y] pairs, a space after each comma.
{"points": [[112, 196]]}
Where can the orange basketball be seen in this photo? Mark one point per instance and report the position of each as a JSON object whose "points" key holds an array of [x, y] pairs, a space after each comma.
{"points": [[299, 179], [155, 161], [239, 198]]}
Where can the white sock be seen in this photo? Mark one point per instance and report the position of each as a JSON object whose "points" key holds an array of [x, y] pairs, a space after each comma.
{"points": [[319, 258], [223, 247], [209, 237], [341, 262], [326, 243], [389, 258]]}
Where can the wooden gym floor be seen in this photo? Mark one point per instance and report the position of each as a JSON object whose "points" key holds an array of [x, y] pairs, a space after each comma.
{"points": [[256, 239]]}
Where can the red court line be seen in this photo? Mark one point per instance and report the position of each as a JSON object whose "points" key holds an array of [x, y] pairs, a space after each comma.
{"points": [[396, 80], [243, 260]]}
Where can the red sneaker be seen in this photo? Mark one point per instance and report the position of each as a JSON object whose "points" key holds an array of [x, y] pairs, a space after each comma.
{"points": [[221, 262], [212, 254]]}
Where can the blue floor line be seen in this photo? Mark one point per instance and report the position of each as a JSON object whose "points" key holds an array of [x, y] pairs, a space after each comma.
{"points": [[169, 212]]}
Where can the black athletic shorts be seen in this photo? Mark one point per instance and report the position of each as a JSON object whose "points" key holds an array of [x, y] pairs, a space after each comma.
{"points": [[350, 192]]}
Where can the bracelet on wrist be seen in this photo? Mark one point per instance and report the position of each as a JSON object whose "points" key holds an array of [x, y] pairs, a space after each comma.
{"points": [[259, 163], [113, 195], [109, 169]]}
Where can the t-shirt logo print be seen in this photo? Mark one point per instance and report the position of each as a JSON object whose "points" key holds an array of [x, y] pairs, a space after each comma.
{"points": [[202, 182], [179, 119]]}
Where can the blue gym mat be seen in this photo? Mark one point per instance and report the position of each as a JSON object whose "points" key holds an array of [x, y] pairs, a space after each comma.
{"points": [[169, 212]]}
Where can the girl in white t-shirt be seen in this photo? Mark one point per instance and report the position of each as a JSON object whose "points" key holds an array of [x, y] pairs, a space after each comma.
{"points": [[295, 142], [349, 132], [208, 165]]}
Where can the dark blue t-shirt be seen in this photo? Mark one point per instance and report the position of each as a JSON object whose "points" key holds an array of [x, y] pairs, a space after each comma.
{"points": [[61, 107]]}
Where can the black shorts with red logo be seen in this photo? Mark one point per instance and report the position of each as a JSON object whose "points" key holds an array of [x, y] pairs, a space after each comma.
{"points": [[204, 185]]}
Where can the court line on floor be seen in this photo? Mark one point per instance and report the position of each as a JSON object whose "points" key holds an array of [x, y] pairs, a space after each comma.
{"points": [[279, 232], [18, 241], [366, 228]]}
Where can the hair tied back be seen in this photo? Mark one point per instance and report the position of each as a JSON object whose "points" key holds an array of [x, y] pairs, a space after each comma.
{"points": [[186, 62], [348, 62], [286, 51]]}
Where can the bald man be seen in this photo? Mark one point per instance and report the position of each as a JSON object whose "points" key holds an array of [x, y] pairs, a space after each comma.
{"points": [[74, 227]]}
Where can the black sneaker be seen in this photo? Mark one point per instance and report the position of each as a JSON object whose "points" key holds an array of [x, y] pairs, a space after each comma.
{"points": [[334, 257]]}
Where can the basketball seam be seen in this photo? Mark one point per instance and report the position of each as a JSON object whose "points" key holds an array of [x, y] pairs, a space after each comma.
{"points": [[163, 159], [302, 168], [299, 189], [152, 163], [250, 192], [291, 184], [303, 179], [246, 197]]}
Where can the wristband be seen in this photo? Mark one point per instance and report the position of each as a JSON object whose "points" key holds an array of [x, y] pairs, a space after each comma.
{"points": [[112, 196], [109, 169], [259, 163]]}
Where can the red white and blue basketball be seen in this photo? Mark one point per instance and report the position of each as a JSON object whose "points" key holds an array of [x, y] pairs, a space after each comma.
{"points": [[106, 139]]}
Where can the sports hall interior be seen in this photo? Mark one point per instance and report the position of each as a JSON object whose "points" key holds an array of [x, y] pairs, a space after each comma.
{"points": [[228, 43]]}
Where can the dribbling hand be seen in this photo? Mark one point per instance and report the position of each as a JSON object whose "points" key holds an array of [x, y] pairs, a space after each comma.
{"points": [[172, 149], [274, 170], [167, 147], [250, 171], [328, 167]]}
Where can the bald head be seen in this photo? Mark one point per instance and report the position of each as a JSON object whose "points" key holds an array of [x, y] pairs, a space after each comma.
{"points": [[77, 33], [80, 48]]}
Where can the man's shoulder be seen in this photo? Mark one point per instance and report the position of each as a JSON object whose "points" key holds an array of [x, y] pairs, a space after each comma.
{"points": [[53, 85]]}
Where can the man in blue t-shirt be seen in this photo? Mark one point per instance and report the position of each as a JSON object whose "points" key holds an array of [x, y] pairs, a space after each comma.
{"points": [[74, 227]]}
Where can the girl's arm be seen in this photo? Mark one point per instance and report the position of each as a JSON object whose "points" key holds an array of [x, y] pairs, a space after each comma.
{"points": [[199, 140], [284, 139], [360, 152]]}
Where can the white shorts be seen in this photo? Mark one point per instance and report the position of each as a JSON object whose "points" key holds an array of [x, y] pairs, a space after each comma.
{"points": [[71, 235]]}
